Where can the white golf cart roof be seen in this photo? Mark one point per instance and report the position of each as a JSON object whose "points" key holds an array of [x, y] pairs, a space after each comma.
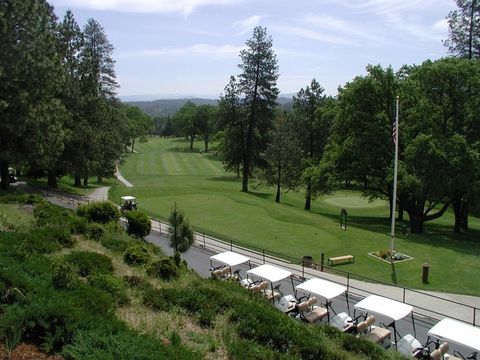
{"points": [[322, 288], [457, 332], [128, 198], [270, 273], [391, 309], [230, 258]]}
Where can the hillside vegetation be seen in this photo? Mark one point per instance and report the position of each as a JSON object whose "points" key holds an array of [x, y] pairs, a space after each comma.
{"points": [[70, 287]]}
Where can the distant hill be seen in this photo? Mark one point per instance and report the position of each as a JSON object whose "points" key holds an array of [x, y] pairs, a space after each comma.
{"points": [[168, 107]]}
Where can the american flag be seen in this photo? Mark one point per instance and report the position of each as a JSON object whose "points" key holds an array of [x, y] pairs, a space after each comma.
{"points": [[395, 124]]}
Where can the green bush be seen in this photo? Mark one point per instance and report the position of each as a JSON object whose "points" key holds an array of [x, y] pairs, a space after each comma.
{"points": [[60, 235], [111, 285], [165, 269], [89, 263], [95, 231], [49, 214], [114, 227], [137, 282], [64, 275], [139, 223], [100, 212], [137, 254], [118, 242], [124, 344], [78, 224], [38, 241]]}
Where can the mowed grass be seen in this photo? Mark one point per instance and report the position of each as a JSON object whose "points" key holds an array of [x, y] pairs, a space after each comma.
{"points": [[164, 172]]}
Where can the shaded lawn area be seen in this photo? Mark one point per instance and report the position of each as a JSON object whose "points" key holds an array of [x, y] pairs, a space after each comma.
{"points": [[65, 184], [164, 173]]}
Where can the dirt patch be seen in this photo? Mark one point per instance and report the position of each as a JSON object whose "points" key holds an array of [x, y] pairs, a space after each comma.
{"points": [[28, 208], [26, 352]]}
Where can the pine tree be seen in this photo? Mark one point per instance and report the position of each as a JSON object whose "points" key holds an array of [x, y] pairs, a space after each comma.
{"points": [[464, 30], [257, 84], [31, 115]]}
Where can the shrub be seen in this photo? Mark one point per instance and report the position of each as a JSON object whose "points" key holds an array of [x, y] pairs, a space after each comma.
{"points": [[64, 275], [111, 285], [100, 212], [90, 262], [60, 235], [137, 282], [165, 269], [38, 241], [137, 254], [117, 241], [78, 225], [139, 224], [95, 231], [114, 227], [49, 214]]}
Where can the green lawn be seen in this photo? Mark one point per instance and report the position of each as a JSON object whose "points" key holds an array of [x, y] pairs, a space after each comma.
{"points": [[65, 184], [164, 172]]}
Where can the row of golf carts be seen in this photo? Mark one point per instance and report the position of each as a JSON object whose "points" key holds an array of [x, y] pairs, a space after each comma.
{"points": [[374, 317]]}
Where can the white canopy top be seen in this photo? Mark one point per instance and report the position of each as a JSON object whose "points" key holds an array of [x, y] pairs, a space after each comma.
{"points": [[230, 258], [391, 309], [126, 198], [270, 273], [322, 288], [457, 332]]}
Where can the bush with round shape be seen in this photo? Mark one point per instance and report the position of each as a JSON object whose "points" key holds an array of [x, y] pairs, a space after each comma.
{"points": [[139, 224], [95, 231], [111, 285], [88, 262], [137, 254], [165, 269], [64, 275], [100, 212]]}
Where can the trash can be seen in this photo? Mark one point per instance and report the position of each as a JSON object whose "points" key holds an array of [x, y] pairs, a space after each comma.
{"points": [[426, 269], [307, 261]]}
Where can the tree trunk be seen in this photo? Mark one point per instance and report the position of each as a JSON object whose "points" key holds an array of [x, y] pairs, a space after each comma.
{"points": [[308, 197], [192, 137], [85, 181], [78, 181], [52, 179], [206, 143], [133, 144], [400, 211], [277, 198], [416, 223], [391, 204], [246, 166], [4, 173], [460, 209], [99, 179]]}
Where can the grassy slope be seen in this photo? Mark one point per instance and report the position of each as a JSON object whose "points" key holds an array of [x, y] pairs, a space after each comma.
{"points": [[164, 172]]}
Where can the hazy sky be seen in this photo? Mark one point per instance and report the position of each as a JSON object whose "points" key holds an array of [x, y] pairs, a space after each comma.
{"points": [[190, 47]]}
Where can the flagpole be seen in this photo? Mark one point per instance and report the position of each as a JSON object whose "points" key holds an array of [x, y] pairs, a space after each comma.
{"points": [[394, 198]]}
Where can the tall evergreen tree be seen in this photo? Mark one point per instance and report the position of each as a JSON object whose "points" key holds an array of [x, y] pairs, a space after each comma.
{"points": [[102, 139], [31, 115], [283, 156], [232, 120], [311, 129], [464, 29], [70, 42], [257, 84]]}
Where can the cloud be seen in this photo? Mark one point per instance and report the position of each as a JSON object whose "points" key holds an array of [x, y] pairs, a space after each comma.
{"points": [[409, 25], [333, 24], [144, 6], [247, 25], [388, 6], [311, 34], [213, 51]]}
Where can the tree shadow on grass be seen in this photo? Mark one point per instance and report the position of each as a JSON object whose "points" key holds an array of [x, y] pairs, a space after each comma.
{"points": [[183, 150], [394, 274], [437, 235], [225, 178]]}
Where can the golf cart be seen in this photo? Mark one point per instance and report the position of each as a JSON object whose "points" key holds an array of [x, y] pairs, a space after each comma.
{"points": [[326, 290], [465, 337], [128, 203], [388, 312], [227, 260], [265, 274]]}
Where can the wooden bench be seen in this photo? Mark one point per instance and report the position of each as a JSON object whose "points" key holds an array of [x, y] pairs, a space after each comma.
{"points": [[341, 259]]}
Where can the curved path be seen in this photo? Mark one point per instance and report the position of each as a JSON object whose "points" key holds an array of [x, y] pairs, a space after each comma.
{"points": [[99, 194], [120, 178]]}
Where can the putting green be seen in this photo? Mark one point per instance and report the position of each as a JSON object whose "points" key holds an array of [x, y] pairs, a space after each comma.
{"points": [[353, 201]]}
